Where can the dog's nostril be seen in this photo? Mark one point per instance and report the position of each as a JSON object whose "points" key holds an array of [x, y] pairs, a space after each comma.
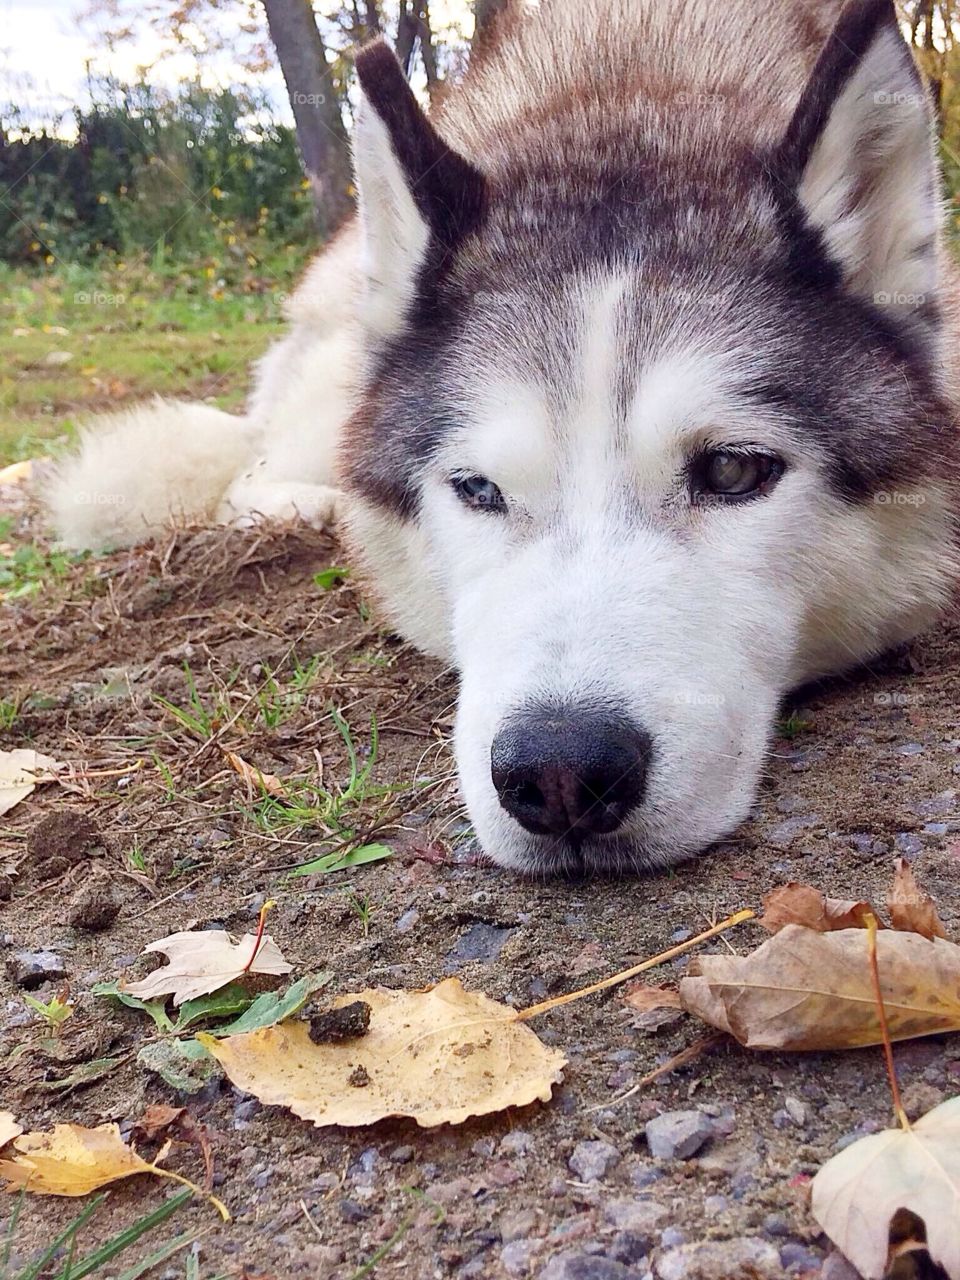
{"points": [[576, 772]]}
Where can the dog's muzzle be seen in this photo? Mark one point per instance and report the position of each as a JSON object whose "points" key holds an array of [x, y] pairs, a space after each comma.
{"points": [[570, 773]]}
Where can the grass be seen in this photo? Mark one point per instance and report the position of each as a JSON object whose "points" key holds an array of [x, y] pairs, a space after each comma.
{"points": [[27, 568], [129, 330], [75, 1268]]}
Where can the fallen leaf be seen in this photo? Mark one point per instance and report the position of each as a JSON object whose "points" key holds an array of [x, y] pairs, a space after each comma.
{"points": [[9, 1129], [257, 782], [644, 998], [439, 1056], [16, 472], [229, 1000], [184, 1065], [339, 861], [71, 1160], [271, 1007], [203, 960], [83, 1073], [807, 990], [20, 771], [910, 907], [158, 1121], [857, 1193], [153, 1008], [802, 904]]}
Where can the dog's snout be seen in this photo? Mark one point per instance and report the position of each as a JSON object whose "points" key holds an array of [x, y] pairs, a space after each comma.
{"points": [[572, 773]]}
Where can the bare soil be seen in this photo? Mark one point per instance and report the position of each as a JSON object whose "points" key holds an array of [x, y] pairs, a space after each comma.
{"points": [[158, 814]]}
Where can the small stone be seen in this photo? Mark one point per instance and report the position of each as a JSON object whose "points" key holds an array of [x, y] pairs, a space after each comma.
{"points": [[918, 1098], [31, 969], [628, 1247], [516, 1143], [743, 1258], [584, 1266], [640, 1216], [715, 1205], [796, 1110], [785, 832], [908, 844], [95, 906], [351, 1211], [402, 1155], [672, 1237], [482, 942], [6, 887], [677, 1135], [517, 1256], [591, 1161], [517, 1223], [797, 1257]]}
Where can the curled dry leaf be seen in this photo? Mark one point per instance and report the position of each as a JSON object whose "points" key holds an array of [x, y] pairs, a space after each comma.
{"points": [[203, 960], [71, 1161], [9, 1129], [806, 990], [857, 1194], [910, 907], [257, 782], [439, 1056], [20, 771], [804, 905], [645, 999]]}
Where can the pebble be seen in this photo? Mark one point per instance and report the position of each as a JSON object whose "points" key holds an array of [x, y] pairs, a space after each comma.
{"points": [[516, 1224], [677, 1135], [516, 1143], [797, 1257], [351, 1211], [31, 969], [591, 1161], [784, 832], [517, 1256], [908, 844], [407, 920], [722, 1260], [640, 1216], [585, 1266], [628, 1247], [402, 1155], [482, 942]]}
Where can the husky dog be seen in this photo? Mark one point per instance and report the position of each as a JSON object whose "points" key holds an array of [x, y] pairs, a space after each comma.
{"points": [[632, 379]]}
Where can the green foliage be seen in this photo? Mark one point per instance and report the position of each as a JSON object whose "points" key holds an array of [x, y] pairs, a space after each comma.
{"points": [[147, 171]]}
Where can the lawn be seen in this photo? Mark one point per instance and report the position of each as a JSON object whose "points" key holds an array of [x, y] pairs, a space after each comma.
{"points": [[77, 340]]}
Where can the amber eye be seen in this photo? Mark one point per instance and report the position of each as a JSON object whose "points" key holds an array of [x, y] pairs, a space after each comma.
{"points": [[727, 476], [479, 493]]}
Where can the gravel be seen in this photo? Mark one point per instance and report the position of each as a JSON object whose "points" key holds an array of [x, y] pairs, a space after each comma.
{"points": [[677, 1135], [31, 969], [591, 1161]]}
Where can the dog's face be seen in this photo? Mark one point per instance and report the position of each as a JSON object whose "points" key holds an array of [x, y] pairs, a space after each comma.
{"points": [[638, 477]]}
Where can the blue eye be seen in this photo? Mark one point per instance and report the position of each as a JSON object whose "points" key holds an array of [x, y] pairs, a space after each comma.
{"points": [[479, 493]]}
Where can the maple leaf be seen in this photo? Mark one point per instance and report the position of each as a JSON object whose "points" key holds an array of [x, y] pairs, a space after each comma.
{"points": [[910, 907], [802, 904], [807, 990], [203, 960], [857, 1193], [439, 1056]]}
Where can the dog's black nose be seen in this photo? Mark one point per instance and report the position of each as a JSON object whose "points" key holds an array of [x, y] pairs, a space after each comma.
{"points": [[574, 772]]}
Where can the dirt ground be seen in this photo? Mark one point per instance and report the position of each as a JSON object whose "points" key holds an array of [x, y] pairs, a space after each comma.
{"points": [[869, 768]]}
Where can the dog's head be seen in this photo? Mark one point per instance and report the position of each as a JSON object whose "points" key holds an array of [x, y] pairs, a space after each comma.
{"points": [[652, 432]]}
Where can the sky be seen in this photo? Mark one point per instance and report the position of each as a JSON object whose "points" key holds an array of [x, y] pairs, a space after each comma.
{"points": [[44, 49]]}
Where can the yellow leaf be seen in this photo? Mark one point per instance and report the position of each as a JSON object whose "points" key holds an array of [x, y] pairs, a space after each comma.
{"points": [[20, 771], [807, 990], [9, 1129], [17, 472], [857, 1193], [71, 1161], [438, 1056], [203, 960]]}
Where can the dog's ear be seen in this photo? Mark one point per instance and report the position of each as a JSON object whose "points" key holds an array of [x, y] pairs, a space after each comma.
{"points": [[859, 155], [417, 195]]}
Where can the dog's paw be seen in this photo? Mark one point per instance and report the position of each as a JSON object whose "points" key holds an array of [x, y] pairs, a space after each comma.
{"points": [[251, 499]]}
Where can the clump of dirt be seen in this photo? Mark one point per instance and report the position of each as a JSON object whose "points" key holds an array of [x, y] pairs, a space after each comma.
{"points": [[95, 905], [61, 840], [346, 1023]]}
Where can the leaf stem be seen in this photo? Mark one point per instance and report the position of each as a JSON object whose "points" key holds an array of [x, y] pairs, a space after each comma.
{"points": [[258, 940], [871, 922], [536, 1009]]}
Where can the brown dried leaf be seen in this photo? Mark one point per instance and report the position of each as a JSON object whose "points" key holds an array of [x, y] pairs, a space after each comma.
{"points": [[644, 998], [439, 1056], [20, 771], [204, 960], [807, 990], [911, 909], [802, 904], [257, 782], [858, 1192]]}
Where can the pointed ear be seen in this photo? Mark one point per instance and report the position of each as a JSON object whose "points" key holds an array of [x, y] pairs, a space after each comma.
{"points": [[417, 196], [859, 155]]}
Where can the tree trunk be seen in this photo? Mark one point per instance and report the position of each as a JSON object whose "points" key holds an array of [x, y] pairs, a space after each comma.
{"points": [[427, 52], [321, 135], [407, 24], [484, 15], [373, 19]]}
